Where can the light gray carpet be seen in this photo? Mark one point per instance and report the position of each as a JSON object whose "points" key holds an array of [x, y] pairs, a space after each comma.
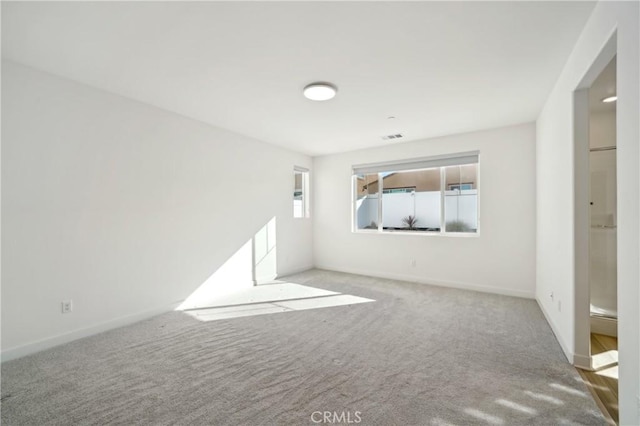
{"points": [[419, 355]]}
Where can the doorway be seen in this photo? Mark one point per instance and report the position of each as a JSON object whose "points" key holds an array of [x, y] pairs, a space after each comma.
{"points": [[595, 245], [603, 264], [603, 277]]}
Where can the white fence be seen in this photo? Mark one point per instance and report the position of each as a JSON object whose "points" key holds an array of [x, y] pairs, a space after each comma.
{"points": [[367, 211], [425, 206]]}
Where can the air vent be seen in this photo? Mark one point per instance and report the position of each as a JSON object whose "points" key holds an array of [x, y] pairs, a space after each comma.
{"points": [[391, 137]]}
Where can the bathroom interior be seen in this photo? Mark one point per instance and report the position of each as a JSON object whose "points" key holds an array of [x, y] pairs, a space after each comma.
{"points": [[602, 168], [603, 380]]}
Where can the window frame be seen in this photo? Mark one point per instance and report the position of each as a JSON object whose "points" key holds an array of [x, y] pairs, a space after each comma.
{"points": [[441, 162], [304, 172]]}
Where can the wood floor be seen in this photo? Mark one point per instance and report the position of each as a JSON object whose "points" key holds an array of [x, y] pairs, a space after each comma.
{"points": [[603, 383]]}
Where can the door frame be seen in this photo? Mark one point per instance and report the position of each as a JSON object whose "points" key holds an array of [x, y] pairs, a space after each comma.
{"points": [[581, 189]]}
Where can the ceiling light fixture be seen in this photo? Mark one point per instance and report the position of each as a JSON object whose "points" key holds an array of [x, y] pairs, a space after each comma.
{"points": [[320, 91], [610, 99]]}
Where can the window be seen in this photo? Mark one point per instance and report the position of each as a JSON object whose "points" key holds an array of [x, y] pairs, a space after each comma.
{"points": [[428, 195], [300, 192]]}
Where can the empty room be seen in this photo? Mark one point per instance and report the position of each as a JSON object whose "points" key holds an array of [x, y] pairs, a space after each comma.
{"points": [[301, 213]]}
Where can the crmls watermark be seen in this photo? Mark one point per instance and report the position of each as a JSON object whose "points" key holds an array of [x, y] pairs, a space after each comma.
{"points": [[335, 417]]}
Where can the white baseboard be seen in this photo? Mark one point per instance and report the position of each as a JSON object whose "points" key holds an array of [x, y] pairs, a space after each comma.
{"points": [[295, 271], [50, 342], [565, 348], [583, 362], [603, 325], [439, 283]]}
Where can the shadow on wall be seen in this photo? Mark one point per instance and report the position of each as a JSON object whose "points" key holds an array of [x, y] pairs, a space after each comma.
{"points": [[254, 263]]}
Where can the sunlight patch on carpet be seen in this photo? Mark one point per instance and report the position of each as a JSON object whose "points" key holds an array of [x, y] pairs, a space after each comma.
{"points": [[516, 406], [568, 390], [481, 415], [544, 397], [272, 299]]}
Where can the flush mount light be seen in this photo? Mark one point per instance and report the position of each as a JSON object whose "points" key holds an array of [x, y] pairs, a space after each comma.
{"points": [[610, 99], [320, 91]]}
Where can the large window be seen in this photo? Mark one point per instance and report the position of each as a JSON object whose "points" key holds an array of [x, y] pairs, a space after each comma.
{"points": [[429, 195], [300, 192]]}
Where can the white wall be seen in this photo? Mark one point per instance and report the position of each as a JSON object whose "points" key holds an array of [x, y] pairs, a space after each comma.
{"points": [[555, 211], [501, 259], [116, 205], [602, 129]]}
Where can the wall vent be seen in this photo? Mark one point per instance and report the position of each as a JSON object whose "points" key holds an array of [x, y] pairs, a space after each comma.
{"points": [[391, 137]]}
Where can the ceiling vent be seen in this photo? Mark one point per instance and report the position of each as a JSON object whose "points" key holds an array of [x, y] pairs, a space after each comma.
{"points": [[391, 137]]}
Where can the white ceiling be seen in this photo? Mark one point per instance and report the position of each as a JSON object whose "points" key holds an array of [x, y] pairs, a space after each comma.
{"points": [[439, 67]]}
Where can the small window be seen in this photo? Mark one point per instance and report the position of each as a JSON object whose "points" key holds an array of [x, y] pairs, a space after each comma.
{"points": [[429, 195], [300, 192]]}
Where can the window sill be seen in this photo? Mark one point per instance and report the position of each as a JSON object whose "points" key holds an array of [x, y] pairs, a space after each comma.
{"points": [[420, 233]]}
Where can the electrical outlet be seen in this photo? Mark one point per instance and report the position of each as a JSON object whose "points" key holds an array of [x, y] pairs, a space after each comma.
{"points": [[412, 263], [67, 306], [559, 306]]}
